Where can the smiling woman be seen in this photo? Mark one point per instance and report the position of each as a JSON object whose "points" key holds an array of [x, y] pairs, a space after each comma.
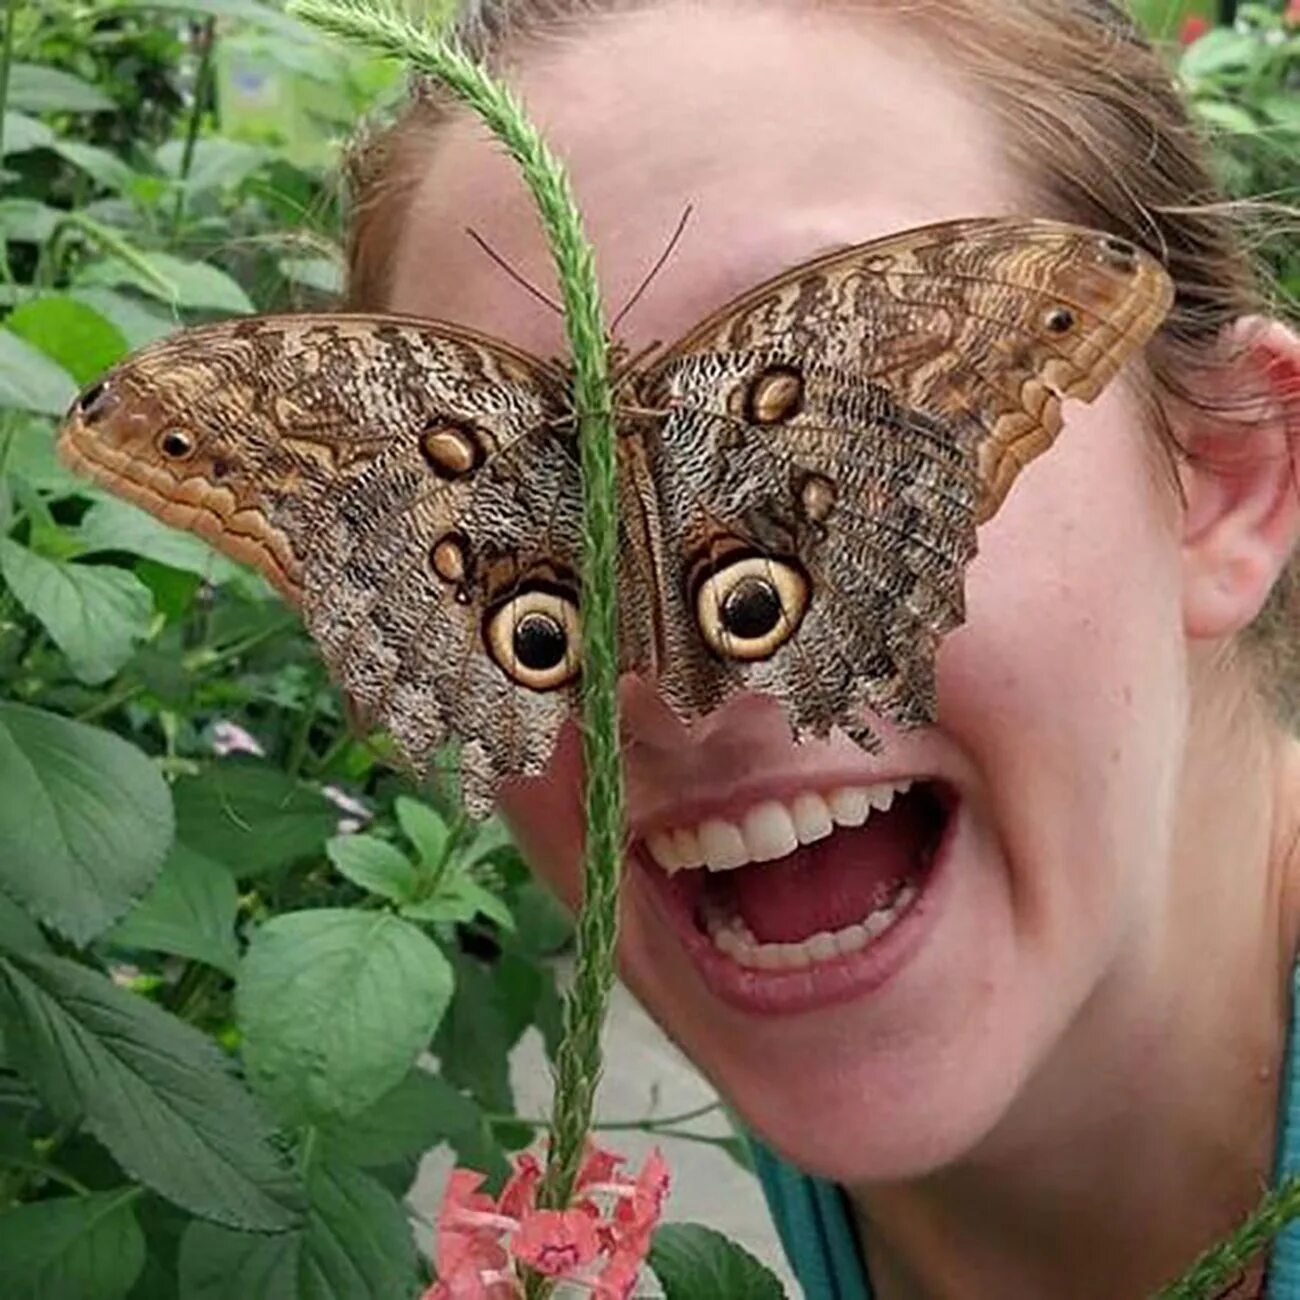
{"points": [[1017, 984]]}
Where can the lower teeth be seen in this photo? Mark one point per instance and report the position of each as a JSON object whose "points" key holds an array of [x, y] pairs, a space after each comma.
{"points": [[733, 937]]}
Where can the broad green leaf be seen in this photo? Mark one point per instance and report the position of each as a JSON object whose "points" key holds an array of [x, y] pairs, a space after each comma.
{"points": [[1215, 52], [140, 324], [458, 899], [424, 828], [70, 333], [1226, 118], [412, 1118], [32, 458], [18, 932], [99, 164], [216, 162], [374, 864], [321, 273], [156, 1092], [90, 1247], [28, 221], [171, 280], [335, 1006], [30, 381], [251, 817], [85, 821], [355, 1244], [115, 525], [95, 614], [40, 89], [190, 911], [476, 1035], [23, 133], [691, 1261]]}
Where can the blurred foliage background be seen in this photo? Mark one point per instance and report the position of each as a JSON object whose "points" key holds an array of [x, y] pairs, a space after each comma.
{"points": [[248, 972]]}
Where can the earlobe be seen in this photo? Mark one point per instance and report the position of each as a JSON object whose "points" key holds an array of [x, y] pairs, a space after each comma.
{"points": [[1242, 479]]}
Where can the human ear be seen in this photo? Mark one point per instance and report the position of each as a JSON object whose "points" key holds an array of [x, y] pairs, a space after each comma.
{"points": [[1241, 478]]}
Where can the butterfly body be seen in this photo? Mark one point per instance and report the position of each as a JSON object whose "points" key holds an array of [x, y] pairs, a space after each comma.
{"points": [[800, 479]]}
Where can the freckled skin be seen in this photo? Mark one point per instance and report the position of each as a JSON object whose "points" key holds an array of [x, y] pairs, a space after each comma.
{"points": [[1063, 1056]]}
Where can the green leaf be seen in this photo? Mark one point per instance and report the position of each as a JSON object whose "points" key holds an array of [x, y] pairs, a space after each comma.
{"points": [[321, 273], [23, 133], [103, 167], [154, 1091], [70, 333], [115, 525], [476, 1035], [216, 162], [32, 458], [251, 817], [139, 324], [171, 280], [18, 932], [422, 1111], [424, 828], [356, 1244], [28, 221], [85, 820], [190, 912], [1215, 52], [1226, 118], [90, 1247], [40, 89], [30, 381], [335, 1006], [459, 899], [373, 864], [95, 614], [692, 1261]]}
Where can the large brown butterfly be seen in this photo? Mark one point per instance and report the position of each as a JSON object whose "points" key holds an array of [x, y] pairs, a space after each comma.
{"points": [[801, 477]]}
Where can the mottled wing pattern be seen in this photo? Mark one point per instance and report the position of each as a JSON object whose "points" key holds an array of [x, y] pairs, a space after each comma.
{"points": [[859, 416], [396, 478]]}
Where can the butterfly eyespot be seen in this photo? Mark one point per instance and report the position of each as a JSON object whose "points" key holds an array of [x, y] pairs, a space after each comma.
{"points": [[1059, 320], [176, 444], [452, 450], [817, 496], [535, 636], [448, 558], [751, 607], [774, 396]]}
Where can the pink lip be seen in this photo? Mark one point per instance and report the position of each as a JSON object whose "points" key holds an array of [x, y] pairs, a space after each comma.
{"points": [[779, 993]]}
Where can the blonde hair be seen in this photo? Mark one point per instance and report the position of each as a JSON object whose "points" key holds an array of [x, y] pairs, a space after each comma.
{"points": [[1091, 117]]}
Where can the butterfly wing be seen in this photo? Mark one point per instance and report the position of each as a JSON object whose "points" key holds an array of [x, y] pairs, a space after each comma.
{"points": [[411, 485], [833, 438]]}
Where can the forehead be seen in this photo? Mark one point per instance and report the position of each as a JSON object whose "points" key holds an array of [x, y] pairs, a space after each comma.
{"points": [[788, 130]]}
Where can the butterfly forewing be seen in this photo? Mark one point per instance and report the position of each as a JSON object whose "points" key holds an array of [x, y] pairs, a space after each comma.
{"points": [[855, 419], [398, 479]]}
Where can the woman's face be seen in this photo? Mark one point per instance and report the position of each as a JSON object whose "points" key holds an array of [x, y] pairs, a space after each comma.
{"points": [[1060, 701]]}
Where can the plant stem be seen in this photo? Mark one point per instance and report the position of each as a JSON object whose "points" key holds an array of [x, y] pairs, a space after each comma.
{"points": [[1213, 1270], [6, 58], [205, 40], [578, 1061]]}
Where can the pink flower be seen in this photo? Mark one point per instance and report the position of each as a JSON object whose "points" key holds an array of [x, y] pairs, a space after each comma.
{"points": [[484, 1242], [556, 1242], [1193, 28], [1292, 14]]}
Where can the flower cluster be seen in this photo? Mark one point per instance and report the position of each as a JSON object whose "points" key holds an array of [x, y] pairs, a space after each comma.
{"points": [[599, 1242]]}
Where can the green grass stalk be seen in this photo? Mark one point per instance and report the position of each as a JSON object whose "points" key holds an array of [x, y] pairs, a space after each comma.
{"points": [[578, 1062]]}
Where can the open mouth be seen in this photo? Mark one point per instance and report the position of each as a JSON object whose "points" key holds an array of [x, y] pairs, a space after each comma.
{"points": [[800, 900]]}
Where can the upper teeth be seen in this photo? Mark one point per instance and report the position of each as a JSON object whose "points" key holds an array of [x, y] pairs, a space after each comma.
{"points": [[770, 829]]}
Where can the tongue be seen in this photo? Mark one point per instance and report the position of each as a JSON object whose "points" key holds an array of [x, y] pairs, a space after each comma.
{"points": [[830, 884]]}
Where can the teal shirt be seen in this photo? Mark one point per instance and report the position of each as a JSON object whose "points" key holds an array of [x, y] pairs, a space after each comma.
{"points": [[816, 1229]]}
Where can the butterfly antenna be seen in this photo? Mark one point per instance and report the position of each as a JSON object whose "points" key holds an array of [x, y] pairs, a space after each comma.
{"points": [[655, 269], [512, 273]]}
